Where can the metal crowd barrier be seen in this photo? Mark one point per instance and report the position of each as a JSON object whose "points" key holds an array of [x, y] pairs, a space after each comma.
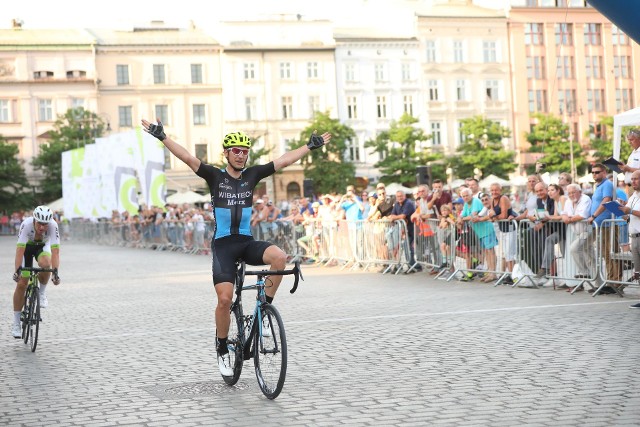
{"points": [[572, 256]]}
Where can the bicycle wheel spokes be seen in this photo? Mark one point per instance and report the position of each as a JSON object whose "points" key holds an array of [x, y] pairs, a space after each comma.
{"points": [[25, 317], [270, 353], [234, 343]]}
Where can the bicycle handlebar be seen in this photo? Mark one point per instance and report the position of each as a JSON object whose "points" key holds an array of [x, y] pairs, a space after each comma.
{"points": [[296, 271], [38, 269]]}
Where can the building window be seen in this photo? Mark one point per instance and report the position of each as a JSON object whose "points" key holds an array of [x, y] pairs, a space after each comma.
{"points": [[489, 51], [535, 67], [380, 72], [350, 72], [353, 150], [76, 74], [592, 34], [159, 77], [595, 99], [593, 67], [196, 74], [199, 116], [250, 108], [352, 107], [287, 107], [125, 116], [37, 75], [312, 70], [621, 66], [406, 72], [285, 70], [381, 107], [162, 112], [618, 37], [433, 90], [77, 103], [122, 75], [624, 99], [564, 67], [461, 89], [492, 90], [436, 136], [462, 137], [407, 104], [314, 105], [533, 34], [201, 152], [538, 101], [564, 34], [458, 51], [567, 101], [430, 51], [45, 110], [5, 117], [249, 70]]}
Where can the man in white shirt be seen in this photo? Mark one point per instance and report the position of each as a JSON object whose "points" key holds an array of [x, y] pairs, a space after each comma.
{"points": [[633, 163], [576, 209], [632, 209]]}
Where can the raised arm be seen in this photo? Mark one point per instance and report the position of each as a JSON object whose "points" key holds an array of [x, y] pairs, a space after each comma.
{"points": [[291, 157], [157, 130]]}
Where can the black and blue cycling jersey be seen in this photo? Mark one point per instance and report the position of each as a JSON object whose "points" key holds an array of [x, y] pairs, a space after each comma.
{"points": [[232, 198]]}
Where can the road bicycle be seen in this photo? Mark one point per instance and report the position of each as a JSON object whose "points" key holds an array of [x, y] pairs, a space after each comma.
{"points": [[263, 340], [30, 316]]}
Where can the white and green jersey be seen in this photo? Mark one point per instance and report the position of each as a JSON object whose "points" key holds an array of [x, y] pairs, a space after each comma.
{"points": [[27, 235]]}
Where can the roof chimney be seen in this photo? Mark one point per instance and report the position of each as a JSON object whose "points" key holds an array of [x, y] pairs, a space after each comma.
{"points": [[16, 24]]}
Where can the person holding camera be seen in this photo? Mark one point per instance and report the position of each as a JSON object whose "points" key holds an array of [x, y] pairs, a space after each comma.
{"points": [[438, 198]]}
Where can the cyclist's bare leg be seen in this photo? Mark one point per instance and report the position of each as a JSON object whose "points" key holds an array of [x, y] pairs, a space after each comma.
{"points": [[277, 259], [224, 291], [18, 294], [44, 261]]}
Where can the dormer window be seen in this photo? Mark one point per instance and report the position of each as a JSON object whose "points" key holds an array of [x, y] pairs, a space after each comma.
{"points": [[43, 75], [76, 74]]}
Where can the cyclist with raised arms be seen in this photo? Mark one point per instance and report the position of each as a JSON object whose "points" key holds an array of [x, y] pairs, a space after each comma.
{"points": [[38, 238], [231, 200]]}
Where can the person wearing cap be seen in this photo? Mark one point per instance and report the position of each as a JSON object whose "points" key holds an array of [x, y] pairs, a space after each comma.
{"points": [[370, 201], [232, 190]]}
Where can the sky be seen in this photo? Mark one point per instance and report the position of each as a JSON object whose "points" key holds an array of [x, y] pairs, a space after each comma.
{"points": [[125, 14]]}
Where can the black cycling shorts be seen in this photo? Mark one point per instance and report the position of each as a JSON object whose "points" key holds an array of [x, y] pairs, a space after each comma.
{"points": [[228, 249]]}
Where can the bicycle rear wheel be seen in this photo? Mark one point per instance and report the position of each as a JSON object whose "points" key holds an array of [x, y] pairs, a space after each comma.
{"points": [[234, 343], [270, 353], [33, 320]]}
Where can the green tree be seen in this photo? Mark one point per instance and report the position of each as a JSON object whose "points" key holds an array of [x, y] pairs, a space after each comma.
{"points": [[551, 137], [74, 129], [15, 192], [327, 166], [482, 148], [602, 141], [400, 150]]}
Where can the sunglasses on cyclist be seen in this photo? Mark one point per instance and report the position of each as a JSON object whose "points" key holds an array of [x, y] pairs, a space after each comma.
{"points": [[237, 151]]}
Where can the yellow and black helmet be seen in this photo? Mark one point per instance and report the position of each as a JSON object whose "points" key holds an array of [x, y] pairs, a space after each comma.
{"points": [[236, 139]]}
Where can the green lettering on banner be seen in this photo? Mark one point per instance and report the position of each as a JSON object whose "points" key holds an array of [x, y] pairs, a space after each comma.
{"points": [[125, 189], [77, 159], [158, 182]]}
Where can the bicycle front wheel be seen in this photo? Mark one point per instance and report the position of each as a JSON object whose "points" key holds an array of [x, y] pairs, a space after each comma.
{"points": [[234, 343], [33, 325], [270, 352]]}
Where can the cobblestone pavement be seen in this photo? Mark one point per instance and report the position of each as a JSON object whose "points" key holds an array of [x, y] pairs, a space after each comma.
{"points": [[128, 339]]}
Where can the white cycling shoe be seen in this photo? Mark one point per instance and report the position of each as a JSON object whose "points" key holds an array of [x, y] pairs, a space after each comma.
{"points": [[224, 364], [16, 330], [44, 302]]}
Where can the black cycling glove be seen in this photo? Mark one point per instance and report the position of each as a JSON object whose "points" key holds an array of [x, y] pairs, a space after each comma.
{"points": [[157, 131], [316, 141], [16, 275]]}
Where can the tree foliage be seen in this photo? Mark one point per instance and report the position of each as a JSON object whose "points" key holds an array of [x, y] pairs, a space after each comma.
{"points": [[15, 192], [74, 129], [602, 141], [482, 149], [400, 149], [327, 166], [552, 137]]}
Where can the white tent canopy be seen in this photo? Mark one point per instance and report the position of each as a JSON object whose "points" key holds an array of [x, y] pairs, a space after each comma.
{"points": [[628, 118], [56, 205], [392, 188], [491, 179], [187, 197]]}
